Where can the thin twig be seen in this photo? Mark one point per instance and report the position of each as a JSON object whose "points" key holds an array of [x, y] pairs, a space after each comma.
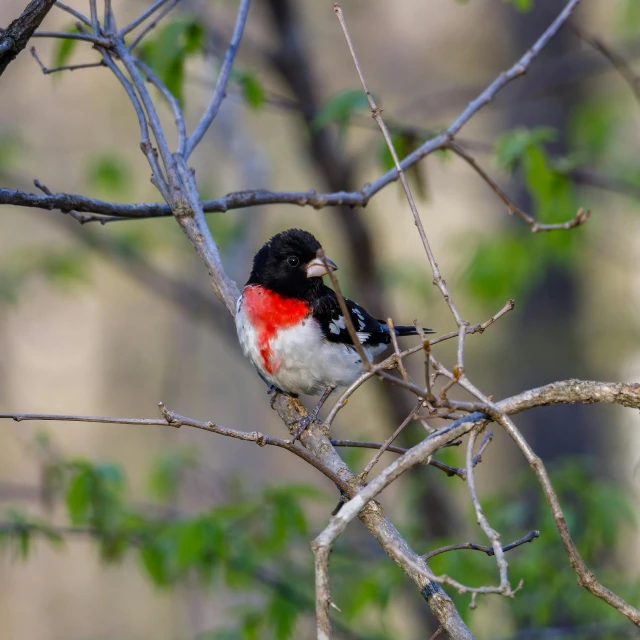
{"points": [[586, 578], [81, 218], [532, 535], [396, 350], [141, 18], [74, 12], [109, 18], [71, 67], [377, 116], [85, 37], [449, 470], [173, 419], [579, 219], [353, 334], [223, 78], [486, 441], [389, 362], [157, 177], [491, 533], [616, 60], [178, 116], [95, 24], [389, 442], [152, 25]]}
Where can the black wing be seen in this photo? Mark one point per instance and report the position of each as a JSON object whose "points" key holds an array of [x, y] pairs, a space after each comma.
{"points": [[370, 331]]}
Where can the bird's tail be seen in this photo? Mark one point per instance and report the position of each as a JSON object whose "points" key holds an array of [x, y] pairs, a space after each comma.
{"points": [[409, 331]]}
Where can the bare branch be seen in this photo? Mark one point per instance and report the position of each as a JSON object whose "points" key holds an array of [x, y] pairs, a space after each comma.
{"points": [[487, 96], [532, 535], [233, 200], [450, 471], [323, 543], [71, 67], [491, 533], [390, 362], [572, 391], [586, 578], [223, 78], [74, 12], [142, 17], [617, 61], [152, 25], [175, 420], [389, 441], [85, 37], [366, 363], [377, 116], [171, 100], [579, 219]]}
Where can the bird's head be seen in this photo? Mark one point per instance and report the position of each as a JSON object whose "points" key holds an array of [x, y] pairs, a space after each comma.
{"points": [[289, 264]]}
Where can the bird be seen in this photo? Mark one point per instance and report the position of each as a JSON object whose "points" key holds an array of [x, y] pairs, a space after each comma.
{"points": [[291, 327]]}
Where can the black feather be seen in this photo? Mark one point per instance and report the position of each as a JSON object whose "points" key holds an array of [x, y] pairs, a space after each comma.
{"points": [[326, 310]]}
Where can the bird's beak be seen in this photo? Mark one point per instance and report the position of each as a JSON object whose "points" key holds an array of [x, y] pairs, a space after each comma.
{"points": [[316, 268]]}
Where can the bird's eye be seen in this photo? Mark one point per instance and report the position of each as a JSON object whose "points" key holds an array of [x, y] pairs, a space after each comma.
{"points": [[293, 261]]}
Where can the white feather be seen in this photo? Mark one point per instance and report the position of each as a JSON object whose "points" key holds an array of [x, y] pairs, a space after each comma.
{"points": [[303, 361]]}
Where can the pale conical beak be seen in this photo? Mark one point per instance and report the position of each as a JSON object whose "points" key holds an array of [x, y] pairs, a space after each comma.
{"points": [[316, 268]]}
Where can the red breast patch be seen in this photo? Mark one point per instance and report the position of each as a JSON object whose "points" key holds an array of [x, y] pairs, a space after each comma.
{"points": [[268, 312]]}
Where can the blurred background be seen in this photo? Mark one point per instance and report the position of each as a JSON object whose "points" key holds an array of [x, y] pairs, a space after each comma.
{"points": [[136, 532]]}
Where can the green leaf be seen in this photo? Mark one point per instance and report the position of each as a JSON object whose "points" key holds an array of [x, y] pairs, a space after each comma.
{"points": [[252, 90], [629, 23], [167, 471], [339, 109], [282, 615], [10, 146], [523, 6], [168, 52], [500, 268], [511, 147], [64, 269], [79, 497], [109, 173], [592, 128], [154, 561], [63, 48]]}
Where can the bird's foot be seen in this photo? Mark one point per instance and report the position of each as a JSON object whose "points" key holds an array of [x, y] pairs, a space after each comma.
{"points": [[273, 392], [306, 421], [303, 424]]}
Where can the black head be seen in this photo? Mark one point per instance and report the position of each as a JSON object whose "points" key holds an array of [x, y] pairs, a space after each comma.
{"points": [[289, 265]]}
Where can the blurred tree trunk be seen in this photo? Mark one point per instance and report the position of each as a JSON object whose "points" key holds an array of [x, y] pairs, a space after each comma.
{"points": [[546, 344]]}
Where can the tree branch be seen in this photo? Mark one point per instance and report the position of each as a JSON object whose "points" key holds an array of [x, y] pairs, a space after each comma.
{"points": [[15, 37], [579, 219], [223, 79], [532, 535]]}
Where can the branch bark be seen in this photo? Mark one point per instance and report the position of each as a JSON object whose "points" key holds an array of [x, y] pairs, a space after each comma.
{"points": [[15, 37]]}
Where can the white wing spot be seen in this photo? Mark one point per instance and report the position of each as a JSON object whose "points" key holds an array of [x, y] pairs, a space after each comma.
{"points": [[361, 322], [336, 325]]}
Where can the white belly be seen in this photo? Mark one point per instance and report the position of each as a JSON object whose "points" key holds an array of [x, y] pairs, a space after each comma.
{"points": [[302, 361]]}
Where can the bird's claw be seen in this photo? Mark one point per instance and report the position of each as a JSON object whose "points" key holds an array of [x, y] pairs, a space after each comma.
{"points": [[303, 424], [273, 396]]}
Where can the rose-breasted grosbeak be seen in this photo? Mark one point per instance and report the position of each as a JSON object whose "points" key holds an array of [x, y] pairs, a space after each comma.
{"points": [[291, 327]]}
